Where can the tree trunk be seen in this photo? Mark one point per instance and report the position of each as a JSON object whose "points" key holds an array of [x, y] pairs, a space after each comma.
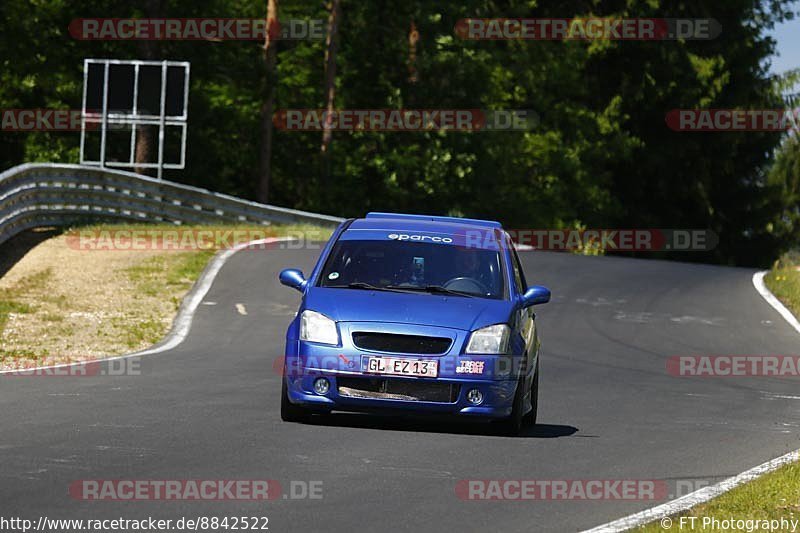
{"points": [[146, 148], [147, 136], [413, 39], [331, 43], [267, 107]]}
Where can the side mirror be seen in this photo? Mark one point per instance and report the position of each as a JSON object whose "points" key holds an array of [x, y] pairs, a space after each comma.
{"points": [[292, 277], [536, 295]]}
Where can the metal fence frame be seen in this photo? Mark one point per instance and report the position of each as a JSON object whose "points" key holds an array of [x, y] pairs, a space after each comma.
{"points": [[134, 118], [48, 194]]}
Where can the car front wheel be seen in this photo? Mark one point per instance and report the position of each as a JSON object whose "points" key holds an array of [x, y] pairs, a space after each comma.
{"points": [[289, 411], [512, 426], [530, 418]]}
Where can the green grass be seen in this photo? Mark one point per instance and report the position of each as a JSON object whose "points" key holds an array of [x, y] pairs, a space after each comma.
{"points": [[179, 270], [159, 280], [784, 282], [10, 306], [6, 355], [135, 332], [9, 297], [771, 497]]}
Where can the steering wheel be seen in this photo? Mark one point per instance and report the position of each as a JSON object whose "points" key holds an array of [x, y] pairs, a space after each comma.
{"points": [[466, 284]]}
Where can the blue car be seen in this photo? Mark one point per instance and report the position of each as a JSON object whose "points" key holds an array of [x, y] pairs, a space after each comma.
{"points": [[415, 314]]}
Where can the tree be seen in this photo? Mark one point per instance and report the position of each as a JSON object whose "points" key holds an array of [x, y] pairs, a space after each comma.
{"points": [[599, 156], [268, 105], [146, 138], [331, 42]]}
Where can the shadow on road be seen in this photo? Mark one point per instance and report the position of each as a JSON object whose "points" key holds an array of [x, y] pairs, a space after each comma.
{"points": [[15, 248], [550, 431], [434, 425]]}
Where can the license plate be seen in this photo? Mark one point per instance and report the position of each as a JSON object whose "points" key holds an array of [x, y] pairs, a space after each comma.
{"points": [[424, 368]]}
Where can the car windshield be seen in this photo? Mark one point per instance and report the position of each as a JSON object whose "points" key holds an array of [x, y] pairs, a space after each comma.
{"points": [[414, 266]]}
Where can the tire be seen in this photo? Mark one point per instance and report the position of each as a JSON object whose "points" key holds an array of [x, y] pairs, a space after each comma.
{"points": [[289, 411], [530, 418], [512, 426]]}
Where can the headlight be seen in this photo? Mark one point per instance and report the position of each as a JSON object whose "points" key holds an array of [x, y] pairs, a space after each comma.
{"points": [[491, 339], [316, 327]]}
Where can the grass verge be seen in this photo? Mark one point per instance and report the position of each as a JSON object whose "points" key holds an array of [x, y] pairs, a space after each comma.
{"points": [[774, 496], [784, 281], [95, 291]]}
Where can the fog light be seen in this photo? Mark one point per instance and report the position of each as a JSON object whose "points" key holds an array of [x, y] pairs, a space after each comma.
{"points": [[321, 386], [475, 397]]}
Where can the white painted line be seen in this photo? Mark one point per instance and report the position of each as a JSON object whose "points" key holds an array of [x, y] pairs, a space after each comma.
{"points": [[758, 283], [695, 498], [707, 493], [183, 322], [241, 309]]}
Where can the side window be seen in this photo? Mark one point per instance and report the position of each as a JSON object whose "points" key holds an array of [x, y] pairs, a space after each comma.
{"points": [[519, 276]]}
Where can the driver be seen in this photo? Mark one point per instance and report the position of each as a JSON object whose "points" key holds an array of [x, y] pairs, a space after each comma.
{"points": [[468, 265], [470, 271]]}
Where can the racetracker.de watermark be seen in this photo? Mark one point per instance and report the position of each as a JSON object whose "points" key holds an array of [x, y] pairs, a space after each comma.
{"points": [[55, 367], [732, 120], [42, 119], [561, 489], [577, 489], [607, 240], [406, 120], [194, 489], [587, 29], [190, 239], [726, 366], [499, 367], [195, 29]]}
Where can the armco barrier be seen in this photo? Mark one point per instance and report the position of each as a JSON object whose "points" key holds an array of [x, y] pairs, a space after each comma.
{"points": [[47, 194]]}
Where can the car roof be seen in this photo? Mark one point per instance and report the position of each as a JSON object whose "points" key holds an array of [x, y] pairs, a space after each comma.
{"points": [[421, 223]]}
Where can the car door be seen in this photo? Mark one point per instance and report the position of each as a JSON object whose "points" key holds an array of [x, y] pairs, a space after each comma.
{"points": [[525, 319]]}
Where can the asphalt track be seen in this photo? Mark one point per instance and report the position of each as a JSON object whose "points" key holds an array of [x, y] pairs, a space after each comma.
{"points": [[209, 409]]}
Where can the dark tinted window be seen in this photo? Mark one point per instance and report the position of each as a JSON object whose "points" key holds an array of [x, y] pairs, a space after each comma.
{"points": [[398, 264]]}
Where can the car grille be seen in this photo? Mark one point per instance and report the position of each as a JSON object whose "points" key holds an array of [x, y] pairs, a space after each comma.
{"points": [[398, 389], [396, 343]]}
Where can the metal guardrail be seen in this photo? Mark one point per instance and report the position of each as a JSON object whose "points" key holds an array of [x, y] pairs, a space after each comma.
{"points": [[46, 194]]}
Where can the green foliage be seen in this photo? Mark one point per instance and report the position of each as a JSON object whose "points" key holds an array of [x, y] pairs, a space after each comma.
{"points": [[601, 155]]}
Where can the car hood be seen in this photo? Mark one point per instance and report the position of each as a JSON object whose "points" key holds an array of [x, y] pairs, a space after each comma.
{"points": [[356, 305]]}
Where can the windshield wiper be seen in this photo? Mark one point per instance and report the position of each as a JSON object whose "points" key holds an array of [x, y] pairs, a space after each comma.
{"points": [[434, 289], [365, 286]]}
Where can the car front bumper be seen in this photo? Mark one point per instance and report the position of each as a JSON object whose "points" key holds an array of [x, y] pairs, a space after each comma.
{"points": [[352, 389]]}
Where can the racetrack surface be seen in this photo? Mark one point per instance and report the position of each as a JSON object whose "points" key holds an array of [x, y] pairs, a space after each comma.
{"points": [[608, 409]]}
